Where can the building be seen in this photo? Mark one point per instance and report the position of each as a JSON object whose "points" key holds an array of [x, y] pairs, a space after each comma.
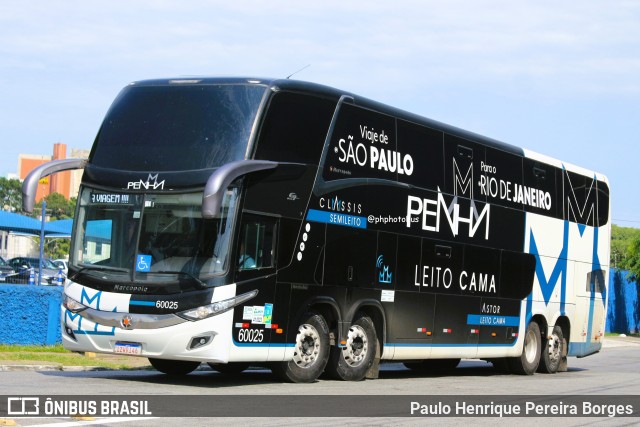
{"points": [[65, 183]]}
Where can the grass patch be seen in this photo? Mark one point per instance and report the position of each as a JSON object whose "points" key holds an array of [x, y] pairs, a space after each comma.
{"points": [[58, 355], [54, 358], [9, 348], [58, 359]]}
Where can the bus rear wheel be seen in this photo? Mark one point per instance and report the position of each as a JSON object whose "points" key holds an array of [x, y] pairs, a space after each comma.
{"points": [[311, 351], [528, 361], [174, 367], [352, 361], [552, 352]]}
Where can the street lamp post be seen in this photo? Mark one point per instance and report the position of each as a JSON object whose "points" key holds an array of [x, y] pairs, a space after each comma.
{"points": [[44, 208]]}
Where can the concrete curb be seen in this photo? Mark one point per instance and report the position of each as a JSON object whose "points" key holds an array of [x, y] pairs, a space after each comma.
{"points": [[17, 368]]}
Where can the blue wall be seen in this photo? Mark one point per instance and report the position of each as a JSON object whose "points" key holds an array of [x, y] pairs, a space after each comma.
{"points": [[30, 314], [623, 313]]}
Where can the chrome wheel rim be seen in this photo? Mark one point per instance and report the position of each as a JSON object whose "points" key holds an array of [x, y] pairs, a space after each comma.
{"points": [[355, 350], [555, 348], [307, 346]]}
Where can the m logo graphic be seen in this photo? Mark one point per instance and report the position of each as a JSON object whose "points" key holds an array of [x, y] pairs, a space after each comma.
{"points": [[580, 200], [462, 184]]}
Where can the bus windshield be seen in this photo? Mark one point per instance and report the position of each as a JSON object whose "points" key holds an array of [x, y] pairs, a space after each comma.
{"points": [[143, 237], [174, 127]]}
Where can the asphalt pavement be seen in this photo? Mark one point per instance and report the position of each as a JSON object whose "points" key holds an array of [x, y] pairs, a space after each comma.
{"points": [[134, 363]]}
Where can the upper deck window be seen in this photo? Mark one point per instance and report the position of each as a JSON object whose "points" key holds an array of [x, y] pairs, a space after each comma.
{"points": [[295, 128], [177, 127]]}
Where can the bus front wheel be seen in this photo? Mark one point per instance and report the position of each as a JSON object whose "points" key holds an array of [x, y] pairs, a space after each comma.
{"points": [[174, 367], [310, 354], [528, 361], [352, 360]]}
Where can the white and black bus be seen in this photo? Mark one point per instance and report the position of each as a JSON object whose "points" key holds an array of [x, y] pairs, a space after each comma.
{"points": [[286, 224]]}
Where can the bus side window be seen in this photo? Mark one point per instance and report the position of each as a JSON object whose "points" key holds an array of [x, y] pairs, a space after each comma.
{"points": [[295, 128], [257, 242]]}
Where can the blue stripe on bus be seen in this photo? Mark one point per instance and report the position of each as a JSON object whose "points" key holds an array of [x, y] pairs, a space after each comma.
{"points": [[144, 303], [251, 344], [85, 332], [488, 319], [451, 345], [262, 344], [337, 218], [580, 349]]}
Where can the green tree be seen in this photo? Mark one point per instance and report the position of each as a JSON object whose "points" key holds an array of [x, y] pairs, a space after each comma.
{"points": [[58, 207], [10, 195], [632, 260], [56, 248], [621, 239]]}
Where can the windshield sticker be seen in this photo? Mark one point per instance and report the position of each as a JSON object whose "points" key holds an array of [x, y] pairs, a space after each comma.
{"points": [[268, 314], [258, 315], [143, 263], [247, 313]]}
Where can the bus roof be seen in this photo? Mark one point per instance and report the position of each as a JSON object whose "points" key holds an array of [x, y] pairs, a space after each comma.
{"points": [[333, 93]]}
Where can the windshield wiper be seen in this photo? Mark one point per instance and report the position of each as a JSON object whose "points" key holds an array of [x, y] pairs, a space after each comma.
{"points": [[98, 268], [200, 283]]}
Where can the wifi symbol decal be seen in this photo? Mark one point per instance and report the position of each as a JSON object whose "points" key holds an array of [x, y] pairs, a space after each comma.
{"points": [[384, 275]]}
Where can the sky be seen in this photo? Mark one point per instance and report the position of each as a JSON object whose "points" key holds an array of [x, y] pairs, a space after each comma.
{"points": [[558, 78]]}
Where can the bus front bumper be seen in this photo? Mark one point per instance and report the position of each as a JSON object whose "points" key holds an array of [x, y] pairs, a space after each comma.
{"points": [[164, 337]]}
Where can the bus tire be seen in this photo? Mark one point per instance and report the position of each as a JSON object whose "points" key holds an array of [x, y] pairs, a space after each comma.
{"points": [[528, 361], [552, 352], [311, 352], [174, 367], [232, 368], [352, 361]]}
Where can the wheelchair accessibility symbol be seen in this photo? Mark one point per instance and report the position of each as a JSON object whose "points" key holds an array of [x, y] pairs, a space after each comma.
{"points": [[143, 263]]}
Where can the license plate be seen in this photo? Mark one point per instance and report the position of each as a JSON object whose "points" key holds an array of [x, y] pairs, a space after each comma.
{"points": [[128, 348]]}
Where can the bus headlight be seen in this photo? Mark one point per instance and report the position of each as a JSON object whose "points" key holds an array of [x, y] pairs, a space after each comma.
{"points": [[217, 307], [72, 305]]}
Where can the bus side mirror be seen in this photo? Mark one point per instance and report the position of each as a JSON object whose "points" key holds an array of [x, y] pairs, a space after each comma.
{"points": [[30, 184], [219, 181]]}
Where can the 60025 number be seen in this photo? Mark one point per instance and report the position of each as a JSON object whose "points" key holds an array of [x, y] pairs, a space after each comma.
{"points": [[171, 305], [250, 335]]}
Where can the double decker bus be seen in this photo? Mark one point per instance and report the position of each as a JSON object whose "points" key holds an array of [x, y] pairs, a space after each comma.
{"points": [[237, 221]]}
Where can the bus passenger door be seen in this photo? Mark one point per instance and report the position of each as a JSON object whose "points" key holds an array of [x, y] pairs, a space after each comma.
{"points": [[256, 263]]}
